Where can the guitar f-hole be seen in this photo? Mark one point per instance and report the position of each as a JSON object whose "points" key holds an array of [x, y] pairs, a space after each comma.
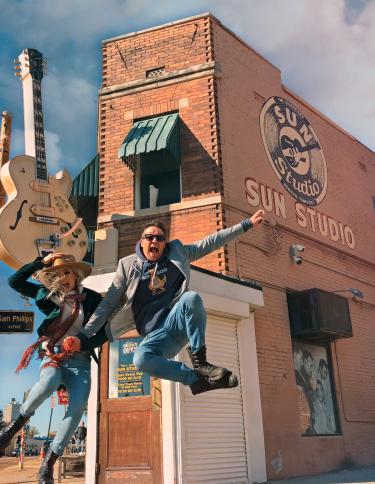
{"points": [[18, 216]]}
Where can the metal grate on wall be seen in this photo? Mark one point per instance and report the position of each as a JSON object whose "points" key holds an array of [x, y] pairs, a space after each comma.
{"points": [[158, 71]]}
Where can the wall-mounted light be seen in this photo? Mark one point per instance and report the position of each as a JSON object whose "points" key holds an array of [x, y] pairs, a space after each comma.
{"points": [[353, 290], [294, 251]]}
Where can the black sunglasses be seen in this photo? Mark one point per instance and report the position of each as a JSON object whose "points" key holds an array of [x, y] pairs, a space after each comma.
{"points": [[151, 237]]}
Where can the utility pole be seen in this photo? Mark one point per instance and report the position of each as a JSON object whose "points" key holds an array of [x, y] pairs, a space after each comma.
{"points": [[52, 405], [5, 136]]}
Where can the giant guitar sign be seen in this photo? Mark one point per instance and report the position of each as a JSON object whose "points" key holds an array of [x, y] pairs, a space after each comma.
{"points": [[37, 218]]}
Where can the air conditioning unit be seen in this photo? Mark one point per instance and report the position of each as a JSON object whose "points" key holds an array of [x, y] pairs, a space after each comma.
{"points": [[316, 315]]}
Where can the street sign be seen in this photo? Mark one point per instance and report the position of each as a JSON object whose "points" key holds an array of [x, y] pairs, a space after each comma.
{"points": [[16, 321]]}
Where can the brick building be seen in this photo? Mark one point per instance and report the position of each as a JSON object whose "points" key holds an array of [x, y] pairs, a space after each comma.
{"points": [[197, 129]]}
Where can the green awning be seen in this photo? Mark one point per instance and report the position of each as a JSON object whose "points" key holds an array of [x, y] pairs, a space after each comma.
{"points": [[153, 134], [86, 183]]}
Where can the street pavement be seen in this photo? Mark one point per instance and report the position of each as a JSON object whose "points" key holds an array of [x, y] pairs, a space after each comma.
{"points": [[365, 475], [11, 474]]}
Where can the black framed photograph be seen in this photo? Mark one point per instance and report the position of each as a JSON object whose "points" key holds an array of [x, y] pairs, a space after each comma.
{"points": [[316, 397]]}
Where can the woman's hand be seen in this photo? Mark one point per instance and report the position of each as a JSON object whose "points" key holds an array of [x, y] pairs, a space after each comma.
{"points": [[48, 259]]}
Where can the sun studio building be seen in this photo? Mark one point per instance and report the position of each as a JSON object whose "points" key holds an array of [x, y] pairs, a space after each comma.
{"points": [[196, 129]]}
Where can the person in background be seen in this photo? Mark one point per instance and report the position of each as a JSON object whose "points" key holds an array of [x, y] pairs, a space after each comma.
{"points": [[67, 306], [81, 434]]}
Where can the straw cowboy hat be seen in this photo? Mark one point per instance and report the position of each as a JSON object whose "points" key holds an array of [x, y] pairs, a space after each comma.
{"points": [[46, 275]]}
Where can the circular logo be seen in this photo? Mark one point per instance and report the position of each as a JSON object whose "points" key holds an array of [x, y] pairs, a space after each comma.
{"points": [[294, 151]]}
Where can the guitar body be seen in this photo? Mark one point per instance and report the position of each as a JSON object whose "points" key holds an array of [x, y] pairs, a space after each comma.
{"points": [[37, 218]]}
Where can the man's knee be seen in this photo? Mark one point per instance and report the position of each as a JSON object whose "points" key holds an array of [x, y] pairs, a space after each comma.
{"points": [[141, 360], [192, 299]]}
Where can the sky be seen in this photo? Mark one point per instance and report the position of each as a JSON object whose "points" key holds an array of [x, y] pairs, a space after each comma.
{"points": [[324, 49]]}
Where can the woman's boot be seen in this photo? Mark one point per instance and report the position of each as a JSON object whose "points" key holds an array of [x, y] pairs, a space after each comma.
{"points": [[46, 470], [8, 432]]}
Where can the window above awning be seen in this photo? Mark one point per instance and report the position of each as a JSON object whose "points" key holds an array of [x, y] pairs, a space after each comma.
{"points": [[153, 134]]}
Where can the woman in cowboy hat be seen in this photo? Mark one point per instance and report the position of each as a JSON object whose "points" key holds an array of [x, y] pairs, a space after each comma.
{"points": [[68, 306]]}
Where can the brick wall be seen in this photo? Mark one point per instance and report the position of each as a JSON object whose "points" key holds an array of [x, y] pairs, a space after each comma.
{"points": [[128, 95], [247, 81], [218, 86], [188, 45]]}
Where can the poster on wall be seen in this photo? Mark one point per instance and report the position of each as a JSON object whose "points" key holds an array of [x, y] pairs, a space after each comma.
{"points": [[316, 400], [124, 379]]}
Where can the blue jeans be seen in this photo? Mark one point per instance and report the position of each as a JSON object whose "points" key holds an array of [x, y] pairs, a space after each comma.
{"points": [[185, 323], [75, 374]]}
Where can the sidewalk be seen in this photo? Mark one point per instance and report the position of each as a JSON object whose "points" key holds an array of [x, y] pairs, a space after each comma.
{"points": [[365, 475], [13, 475]]}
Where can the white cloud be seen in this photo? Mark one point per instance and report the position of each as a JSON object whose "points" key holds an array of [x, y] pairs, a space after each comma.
{"points": [[325, 51], [323, 56], [53, 152]]}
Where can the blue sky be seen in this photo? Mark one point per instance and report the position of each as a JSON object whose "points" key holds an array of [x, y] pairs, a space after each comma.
{"points": [[324, 49]]}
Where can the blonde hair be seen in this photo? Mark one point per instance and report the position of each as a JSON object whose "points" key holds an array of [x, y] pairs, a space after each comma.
{"points": [[51, 282]]}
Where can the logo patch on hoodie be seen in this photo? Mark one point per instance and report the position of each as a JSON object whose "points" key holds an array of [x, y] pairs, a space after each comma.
{"points": [[157, 283]]}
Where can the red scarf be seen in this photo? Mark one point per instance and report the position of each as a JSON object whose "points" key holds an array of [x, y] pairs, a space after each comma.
{"points": [[54, 332]]}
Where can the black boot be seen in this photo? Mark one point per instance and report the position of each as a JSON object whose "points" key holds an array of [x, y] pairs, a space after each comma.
{"points": [[46, 469], [201, 365], [8, 432], [206, 384]]}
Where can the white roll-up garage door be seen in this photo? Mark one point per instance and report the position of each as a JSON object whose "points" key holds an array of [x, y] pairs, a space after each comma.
{"points": [[212, 424]]}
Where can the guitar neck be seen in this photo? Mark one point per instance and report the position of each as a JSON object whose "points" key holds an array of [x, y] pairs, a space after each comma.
{"points": [[34, 124], [40, 146]]}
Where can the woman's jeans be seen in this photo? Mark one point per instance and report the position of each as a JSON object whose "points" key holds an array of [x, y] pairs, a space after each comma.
{"points": [[185, 323], [75, 375]]}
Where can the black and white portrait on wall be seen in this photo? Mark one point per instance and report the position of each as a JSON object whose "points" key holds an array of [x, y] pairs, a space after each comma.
{"points": [[316, 401]]}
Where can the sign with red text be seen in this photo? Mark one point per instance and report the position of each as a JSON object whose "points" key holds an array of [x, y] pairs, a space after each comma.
{"points": [[62, 397]]}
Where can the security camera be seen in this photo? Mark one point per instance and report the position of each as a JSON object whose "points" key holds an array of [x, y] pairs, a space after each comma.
{"points": [[294, 251]]}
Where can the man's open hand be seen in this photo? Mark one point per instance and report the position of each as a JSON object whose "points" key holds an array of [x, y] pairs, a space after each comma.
{"points": [[257, 218]]}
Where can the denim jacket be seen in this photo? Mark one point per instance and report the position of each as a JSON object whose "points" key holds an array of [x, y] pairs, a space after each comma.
{"points": [[19, 282]]}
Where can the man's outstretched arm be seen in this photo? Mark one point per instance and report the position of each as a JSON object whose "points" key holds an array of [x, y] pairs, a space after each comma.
{"points": [[218, 239]]}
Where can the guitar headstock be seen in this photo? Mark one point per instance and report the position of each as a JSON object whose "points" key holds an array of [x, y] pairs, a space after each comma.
{"points": [[30, 61]]}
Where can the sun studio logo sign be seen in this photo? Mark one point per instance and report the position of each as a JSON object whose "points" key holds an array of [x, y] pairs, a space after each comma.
{"points": [[294, 151], [296, 157]]}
